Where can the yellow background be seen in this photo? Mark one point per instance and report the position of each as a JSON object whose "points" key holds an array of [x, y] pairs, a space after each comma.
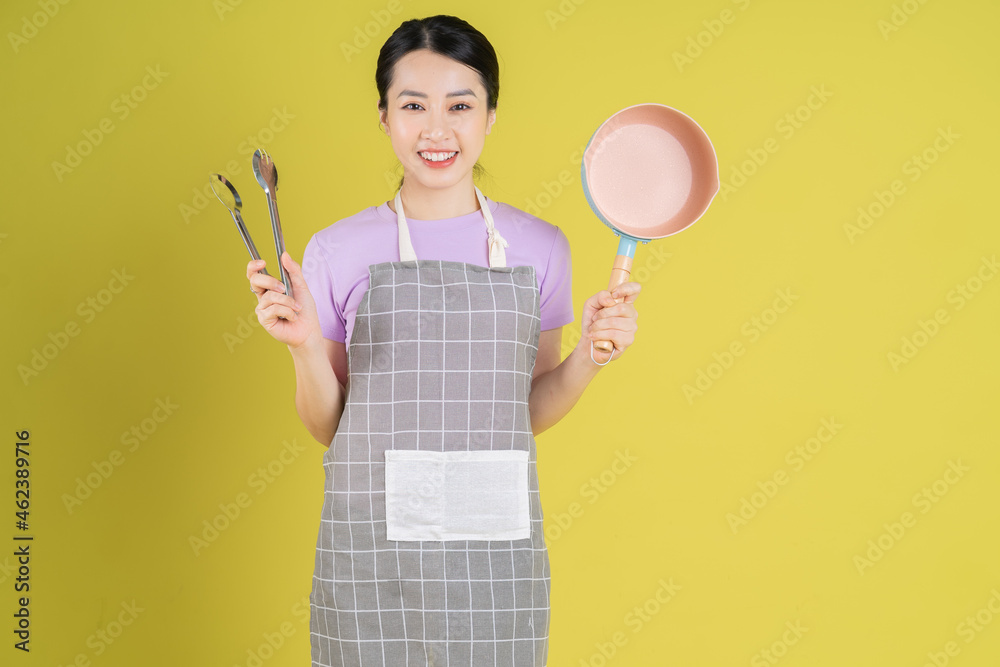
{"points": [[565, 68]]}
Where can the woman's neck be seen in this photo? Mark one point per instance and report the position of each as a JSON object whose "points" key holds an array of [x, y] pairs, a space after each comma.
{"points": [[422, 203]]}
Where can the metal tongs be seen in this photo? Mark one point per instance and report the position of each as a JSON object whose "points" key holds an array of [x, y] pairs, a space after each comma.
{"points": [[267, 176], [230, 198]]}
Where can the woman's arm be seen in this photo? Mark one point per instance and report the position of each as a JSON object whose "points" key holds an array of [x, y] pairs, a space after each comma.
{"points": [[319, 395], [557, 387], [554, 392]]}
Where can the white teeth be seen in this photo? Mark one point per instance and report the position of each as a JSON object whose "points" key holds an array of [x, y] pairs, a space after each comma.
{"points": [[438, 157]]}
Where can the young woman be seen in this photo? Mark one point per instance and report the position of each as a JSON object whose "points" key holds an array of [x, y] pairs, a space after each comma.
{"points": [[426, 335]]}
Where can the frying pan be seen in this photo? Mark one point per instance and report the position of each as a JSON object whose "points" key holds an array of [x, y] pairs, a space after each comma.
{"points": [[649, 171]]}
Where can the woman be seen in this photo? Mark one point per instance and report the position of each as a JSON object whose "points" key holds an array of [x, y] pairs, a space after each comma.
{"points": [[427, 372]]}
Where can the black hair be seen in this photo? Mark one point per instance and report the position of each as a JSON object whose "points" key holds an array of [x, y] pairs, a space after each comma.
{"points": [[448, 36]]}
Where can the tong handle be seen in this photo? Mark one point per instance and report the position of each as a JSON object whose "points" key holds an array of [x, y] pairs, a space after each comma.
{"points": [[247, 241], [279, 240]]}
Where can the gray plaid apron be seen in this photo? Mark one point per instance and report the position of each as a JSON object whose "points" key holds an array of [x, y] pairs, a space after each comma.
{"points": [[430, 547]]}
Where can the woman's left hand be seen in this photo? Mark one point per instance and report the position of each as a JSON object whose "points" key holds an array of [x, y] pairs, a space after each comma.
{"points": [[604, 319]]}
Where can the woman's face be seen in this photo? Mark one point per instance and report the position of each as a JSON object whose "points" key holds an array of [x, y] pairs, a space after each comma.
{"points": [[434, 106]]}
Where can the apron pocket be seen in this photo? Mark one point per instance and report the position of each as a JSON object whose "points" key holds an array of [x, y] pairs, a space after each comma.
{"points": [[436, 496]]}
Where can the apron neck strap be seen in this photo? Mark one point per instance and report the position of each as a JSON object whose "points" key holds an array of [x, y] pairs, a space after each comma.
{"points": [[496, 243]]}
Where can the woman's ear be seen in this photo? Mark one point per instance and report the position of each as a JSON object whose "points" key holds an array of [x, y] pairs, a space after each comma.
{"points": [[492, 118], [382, 120]]}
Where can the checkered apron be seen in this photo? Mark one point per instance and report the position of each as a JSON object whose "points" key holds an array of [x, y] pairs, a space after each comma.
{"points": [[430, 548]]}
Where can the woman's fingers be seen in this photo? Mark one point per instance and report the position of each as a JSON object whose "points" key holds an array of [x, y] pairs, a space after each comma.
{"points": [[290, 320], [617, 322], [619, 312], [629, 290], [274, 311], [608, 319], [254, 265], [263, 284], [605, 299], [292, 267], [622, 334], [603, 322], [275, 298], [294, 270]]}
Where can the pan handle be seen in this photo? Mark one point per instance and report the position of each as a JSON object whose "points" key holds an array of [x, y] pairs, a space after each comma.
{"points": [[621, 271]]}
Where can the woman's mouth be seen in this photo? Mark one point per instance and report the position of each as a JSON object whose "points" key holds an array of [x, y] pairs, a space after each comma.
{"points": [[438, 159]]}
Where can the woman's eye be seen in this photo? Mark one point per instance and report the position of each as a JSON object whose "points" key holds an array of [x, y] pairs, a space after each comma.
{"points": [[460, 104]]}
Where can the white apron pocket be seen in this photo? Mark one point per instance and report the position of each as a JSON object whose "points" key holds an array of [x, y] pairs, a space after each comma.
{"points": [[437, 496]]}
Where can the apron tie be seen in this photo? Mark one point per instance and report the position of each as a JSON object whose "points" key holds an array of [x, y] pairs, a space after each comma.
{"points": [[495, 242]]}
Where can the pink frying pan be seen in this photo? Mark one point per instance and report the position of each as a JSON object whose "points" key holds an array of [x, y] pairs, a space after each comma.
{"points": [[649, 171]]}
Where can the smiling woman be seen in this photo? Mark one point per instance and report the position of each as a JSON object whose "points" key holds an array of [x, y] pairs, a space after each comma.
{"points": [[437, 105], [425, 333]]}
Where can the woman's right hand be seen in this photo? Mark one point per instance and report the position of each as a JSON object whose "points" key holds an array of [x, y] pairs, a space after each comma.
{"points": [[300, 322]]}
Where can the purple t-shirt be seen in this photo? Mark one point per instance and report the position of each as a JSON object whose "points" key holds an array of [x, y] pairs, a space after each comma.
{"points": [[336, 259]]}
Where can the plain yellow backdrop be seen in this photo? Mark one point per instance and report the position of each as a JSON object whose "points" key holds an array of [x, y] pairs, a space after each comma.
{"points": [[827, 495]]}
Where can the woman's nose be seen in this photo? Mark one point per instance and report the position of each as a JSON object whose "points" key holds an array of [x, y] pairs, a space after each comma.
{"points": [[436, 127]]}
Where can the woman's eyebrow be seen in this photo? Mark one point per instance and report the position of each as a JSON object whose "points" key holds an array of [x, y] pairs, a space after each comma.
{"points": [[416, 93]]}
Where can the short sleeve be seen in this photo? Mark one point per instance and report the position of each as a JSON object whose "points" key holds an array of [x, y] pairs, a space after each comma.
{"points": [[556, 288], [319, 278]]}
